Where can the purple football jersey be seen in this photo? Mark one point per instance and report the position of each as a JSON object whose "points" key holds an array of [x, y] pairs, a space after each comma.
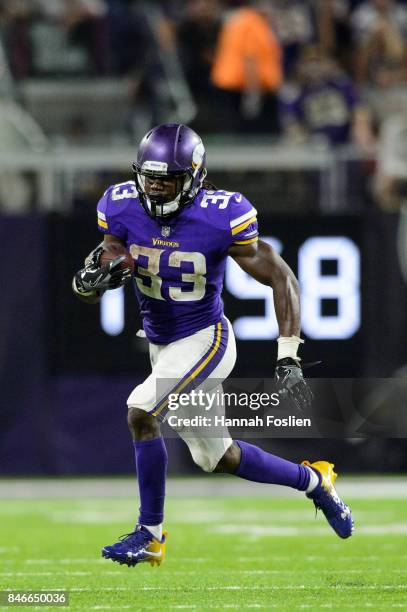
{"points": [[179, 264]]}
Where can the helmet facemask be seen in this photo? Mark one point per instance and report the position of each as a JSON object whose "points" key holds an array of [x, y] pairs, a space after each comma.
{"points": [[165, 205]]}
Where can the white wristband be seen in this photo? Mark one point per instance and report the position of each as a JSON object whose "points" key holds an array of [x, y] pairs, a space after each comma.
{"points": [[288, 347]]}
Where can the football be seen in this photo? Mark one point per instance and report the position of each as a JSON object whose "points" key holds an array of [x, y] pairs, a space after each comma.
{"points": [[113, 250]]}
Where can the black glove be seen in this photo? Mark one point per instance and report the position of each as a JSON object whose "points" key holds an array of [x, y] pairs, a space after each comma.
{"points": [[93, 279], [291, 385]]}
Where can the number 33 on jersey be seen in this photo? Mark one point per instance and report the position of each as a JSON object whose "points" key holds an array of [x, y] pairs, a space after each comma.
{"points": [[179, 264]]}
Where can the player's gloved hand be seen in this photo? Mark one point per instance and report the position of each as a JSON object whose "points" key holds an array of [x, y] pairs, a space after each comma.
{"points": [[291, 385], [93, 259], [93, 278]]}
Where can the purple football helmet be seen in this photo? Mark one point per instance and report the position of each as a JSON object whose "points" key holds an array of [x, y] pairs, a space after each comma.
{"points": [[170, 150]]}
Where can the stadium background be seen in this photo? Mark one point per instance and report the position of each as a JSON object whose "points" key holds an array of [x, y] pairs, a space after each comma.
{"points": [[80, 83]]}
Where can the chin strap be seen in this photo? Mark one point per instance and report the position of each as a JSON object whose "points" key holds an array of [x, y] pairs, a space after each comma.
{"points": [[167, 208]]}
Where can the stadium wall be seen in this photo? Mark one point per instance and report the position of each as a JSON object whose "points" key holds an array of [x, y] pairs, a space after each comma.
{"points": [[64, 381]]}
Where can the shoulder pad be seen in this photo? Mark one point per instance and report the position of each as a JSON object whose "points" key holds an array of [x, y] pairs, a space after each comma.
{"points": [[116, 198], [219, 199], [123, 191]]}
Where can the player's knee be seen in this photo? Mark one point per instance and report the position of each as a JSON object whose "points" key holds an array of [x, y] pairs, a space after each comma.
{"points": [[143, 426], [230, 461]]}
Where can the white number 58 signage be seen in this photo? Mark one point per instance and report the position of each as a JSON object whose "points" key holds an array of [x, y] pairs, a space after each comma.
{"points": [[343, 287]]}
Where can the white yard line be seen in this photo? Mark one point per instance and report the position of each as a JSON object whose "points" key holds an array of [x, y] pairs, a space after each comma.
{"points": [[67, 573], [312, 558], [215, 486], [61, 561], [265, 572]]}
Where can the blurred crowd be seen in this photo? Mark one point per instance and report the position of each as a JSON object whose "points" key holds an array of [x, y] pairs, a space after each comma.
{"points": [[333, 71]]}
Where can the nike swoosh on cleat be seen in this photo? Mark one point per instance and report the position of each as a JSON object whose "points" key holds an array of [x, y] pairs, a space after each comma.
{"points": [[147, 552]]}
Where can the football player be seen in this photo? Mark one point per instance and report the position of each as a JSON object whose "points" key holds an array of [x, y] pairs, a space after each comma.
{"points": [[180, 230]]}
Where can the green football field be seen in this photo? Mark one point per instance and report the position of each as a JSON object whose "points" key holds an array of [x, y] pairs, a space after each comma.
{"points": [[223, 552]]}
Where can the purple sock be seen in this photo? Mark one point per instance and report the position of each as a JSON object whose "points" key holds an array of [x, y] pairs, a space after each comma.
{"points": [[259, 466], [151, 464]]}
